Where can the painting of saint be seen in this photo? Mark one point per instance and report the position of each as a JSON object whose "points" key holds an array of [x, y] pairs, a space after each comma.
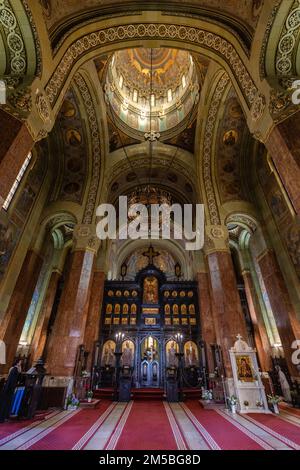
{"points": [[117, 309], [171, 351], [125, 309], [108, 309], [127, 353], [73, 137], [108, 357], [230, 137], [192, 309], [150, 295], [167, 309], [68, 109], [190, 354], [175, 309], [244, 369], [133, 309], [183, 309]]}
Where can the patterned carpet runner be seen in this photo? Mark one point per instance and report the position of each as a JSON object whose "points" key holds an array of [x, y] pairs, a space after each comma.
{"points": [[154, 425]]}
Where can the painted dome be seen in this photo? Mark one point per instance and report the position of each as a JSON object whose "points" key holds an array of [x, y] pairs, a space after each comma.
{"points": [[160, 82]]}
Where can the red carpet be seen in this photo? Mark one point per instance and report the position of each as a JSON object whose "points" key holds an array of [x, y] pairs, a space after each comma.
{"points": [[65, 436], [272, 423], [17, 427], [290, 409], [147, 428], [151, 425], [224, 433]]}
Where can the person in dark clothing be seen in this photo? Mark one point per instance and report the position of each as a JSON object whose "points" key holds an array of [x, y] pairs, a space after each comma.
{"points": [[7, 393]]}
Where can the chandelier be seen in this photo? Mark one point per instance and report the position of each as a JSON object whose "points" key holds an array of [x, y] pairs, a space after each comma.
{"points": [[148, 195]]}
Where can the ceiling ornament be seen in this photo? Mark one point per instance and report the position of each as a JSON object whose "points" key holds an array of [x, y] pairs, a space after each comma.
{"points": [[211, 122], [173, 32], [157, 82], [96, 149], [287, 42], [258, 107], [14, 38]]}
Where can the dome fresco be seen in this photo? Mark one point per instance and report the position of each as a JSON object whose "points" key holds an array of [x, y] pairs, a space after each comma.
{"points": [[160, 82]]}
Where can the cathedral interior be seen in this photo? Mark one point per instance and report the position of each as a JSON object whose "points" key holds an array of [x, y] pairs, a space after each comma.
{"points": [[174, 102]]}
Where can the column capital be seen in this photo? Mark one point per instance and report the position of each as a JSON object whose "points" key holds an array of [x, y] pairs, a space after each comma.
{"points": [[85, 238], [216, 239]]}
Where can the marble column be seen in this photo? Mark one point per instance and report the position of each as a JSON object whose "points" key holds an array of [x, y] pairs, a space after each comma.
{"points": [[285, 316], [227, 309], [15, 315], [69, 326], [284, 148], [41, 329], [260, 335], [206, 317], [15, 144], [94, 315]]}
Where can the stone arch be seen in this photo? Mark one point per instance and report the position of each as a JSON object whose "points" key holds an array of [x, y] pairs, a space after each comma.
{"points": [[280, 57], [173, 246], [216, 43], [52, 223], [22, 58]]}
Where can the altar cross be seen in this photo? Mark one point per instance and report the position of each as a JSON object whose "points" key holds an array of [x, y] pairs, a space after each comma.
{"points": [[151, 254]]}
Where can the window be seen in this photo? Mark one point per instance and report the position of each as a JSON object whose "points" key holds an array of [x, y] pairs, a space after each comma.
{"points": [[121, 79], [18, 179], [169, 95], [183, 81], [152, 100], [135, 96]]}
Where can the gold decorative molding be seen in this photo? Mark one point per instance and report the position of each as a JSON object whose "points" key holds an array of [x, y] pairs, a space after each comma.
{"points": [[146, 31], [208, 147]]}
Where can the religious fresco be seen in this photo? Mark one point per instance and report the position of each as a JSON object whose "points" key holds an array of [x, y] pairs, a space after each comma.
{"points": [[70, 128], [13, 222], [231, 133], [137, 261], [162, 80], [288, 226], [186, 139], [9, 236], [117, 138]]}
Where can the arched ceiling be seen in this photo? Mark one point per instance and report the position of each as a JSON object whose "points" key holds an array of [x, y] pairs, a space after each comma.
{"points": [[62, 15]]}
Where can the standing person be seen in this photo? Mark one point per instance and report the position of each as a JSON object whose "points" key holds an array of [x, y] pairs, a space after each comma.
{"points": [[8, 390]]}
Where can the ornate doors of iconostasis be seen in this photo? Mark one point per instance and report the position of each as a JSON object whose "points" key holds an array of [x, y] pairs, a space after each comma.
{"points": [[149, 312]]}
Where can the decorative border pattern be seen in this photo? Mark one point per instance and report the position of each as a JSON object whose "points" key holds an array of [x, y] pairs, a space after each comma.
{"points": [[14, 39], [208, 146], [38, 50], [152, 31], [266, 38], [96, 149], [284, 62]]}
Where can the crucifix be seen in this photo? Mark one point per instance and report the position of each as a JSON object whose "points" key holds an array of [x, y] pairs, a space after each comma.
{"points": [[151, 254]]}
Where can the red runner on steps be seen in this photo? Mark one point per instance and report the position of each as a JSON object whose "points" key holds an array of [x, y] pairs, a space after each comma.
{"points": [[147, 428]]}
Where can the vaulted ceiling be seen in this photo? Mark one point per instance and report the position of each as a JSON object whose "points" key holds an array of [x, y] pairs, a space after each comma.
{"points": [[62, 15]]}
